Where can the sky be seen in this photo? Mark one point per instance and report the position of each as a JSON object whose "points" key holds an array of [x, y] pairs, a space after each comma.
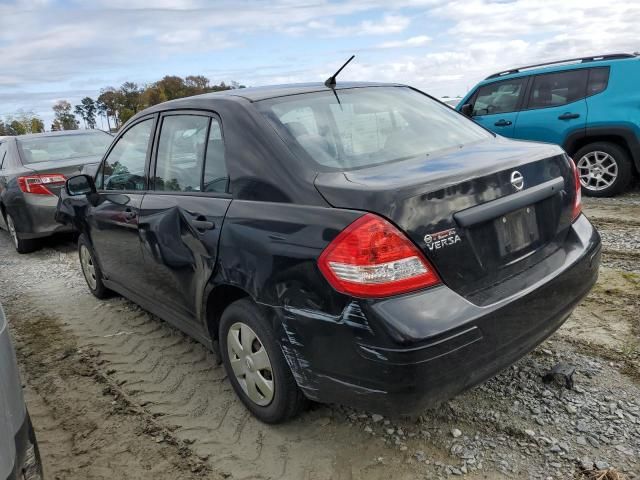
{"points": [[69, 49]]}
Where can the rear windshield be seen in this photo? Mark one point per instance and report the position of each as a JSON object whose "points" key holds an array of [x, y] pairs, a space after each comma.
{"points": [[62, 147], [360, 127]]}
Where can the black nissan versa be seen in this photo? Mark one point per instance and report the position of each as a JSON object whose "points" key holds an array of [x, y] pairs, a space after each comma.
{"points": [[361, 244]]}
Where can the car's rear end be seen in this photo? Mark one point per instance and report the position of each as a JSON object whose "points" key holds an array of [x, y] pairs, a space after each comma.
{"points": [[19, 457], [47, 161], [471, 249]]}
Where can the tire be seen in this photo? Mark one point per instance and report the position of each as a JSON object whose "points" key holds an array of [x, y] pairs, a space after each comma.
{"points": [[605, 169], [22, 245], [32, 468], [91, 269], [242, 320]]}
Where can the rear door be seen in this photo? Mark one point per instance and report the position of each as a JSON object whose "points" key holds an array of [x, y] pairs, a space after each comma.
{"points": [[555, 107], [181, 216], [113, 219], [4, 164], [496, 105]]}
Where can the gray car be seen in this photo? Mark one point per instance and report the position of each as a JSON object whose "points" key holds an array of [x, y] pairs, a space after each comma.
{"points": [[33, 169], [19, 456]]}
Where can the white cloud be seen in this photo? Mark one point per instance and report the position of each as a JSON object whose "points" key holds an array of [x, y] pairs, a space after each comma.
{"points": [[417, 41]]}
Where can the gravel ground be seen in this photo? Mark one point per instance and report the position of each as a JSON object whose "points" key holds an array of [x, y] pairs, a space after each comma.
{"points": [[117, 393]]}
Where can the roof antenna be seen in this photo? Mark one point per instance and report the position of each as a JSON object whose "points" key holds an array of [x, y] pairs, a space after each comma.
{"points": [[331, 81]]}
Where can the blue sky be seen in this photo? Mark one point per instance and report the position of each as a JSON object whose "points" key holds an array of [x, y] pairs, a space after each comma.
{"points": [[53, 50]]}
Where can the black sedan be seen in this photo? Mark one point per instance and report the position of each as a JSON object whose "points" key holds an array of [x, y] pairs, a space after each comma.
{"points": [[361, 244], [33, 169]]}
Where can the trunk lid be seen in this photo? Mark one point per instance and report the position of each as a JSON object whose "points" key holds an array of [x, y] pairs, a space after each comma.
{"points": [[462, 210]]}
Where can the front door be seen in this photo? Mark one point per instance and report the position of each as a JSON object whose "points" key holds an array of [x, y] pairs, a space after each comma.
{"points": [[496, 105], [182, 214], [556, 107], [113, 218]]}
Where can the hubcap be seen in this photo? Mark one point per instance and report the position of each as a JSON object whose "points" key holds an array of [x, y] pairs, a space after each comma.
{"points": [[12, 230], [88, 268], [250, 363], [598, 170]]}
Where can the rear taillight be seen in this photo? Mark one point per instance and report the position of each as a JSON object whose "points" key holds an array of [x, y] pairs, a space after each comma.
{"points": [[37, 184], [372, 258], [577, 199]]}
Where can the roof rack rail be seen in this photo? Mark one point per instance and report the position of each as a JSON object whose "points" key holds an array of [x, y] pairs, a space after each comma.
{"points": [[594, 58]]}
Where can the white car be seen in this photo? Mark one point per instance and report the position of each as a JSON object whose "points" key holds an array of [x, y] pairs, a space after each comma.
{"points": [[19, 456]]}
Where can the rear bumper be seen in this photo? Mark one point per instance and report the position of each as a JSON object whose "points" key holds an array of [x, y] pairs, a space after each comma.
{"points": [[406, 353], [34, 216]]}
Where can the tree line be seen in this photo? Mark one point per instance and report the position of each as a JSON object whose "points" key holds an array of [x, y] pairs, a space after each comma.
{"points": [[114, 105]]}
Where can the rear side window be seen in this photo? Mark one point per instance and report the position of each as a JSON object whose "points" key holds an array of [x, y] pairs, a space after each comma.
{"points": [[215, 176], [124, 167], [181, 153], [555, 89], [499, 97], [598, 80]]}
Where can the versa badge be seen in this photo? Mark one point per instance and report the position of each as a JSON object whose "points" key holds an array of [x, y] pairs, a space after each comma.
{"points": [[438, 240]]}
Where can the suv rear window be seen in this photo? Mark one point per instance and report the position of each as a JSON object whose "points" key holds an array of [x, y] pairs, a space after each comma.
{"points": [[361, 127]]}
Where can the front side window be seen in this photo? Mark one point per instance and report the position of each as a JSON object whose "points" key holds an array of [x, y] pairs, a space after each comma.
{"points": [[360, 127], [499, 97], [181, 150], [124, 167], [555, 89]]}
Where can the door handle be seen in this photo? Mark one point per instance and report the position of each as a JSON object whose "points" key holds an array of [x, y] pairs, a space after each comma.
{"points": [[502, 123], [201, 223], [568, 116], [129, 214]]}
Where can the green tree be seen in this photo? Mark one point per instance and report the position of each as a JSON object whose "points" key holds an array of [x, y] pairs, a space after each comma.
{"points": [[89, 111], [37, 125], [66, 119], [110, 99], [18, 127], [79, 111]]}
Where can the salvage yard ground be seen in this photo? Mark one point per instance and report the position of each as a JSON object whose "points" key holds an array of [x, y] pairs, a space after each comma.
{"points": [[116, 393]]}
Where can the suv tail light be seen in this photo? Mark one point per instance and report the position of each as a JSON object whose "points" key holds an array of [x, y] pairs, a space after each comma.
{"points": [[577, 200], [37, 184], [372, 258]]}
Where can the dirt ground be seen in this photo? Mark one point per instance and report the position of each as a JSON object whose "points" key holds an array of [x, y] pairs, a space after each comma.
{"points": [[116, 393]]}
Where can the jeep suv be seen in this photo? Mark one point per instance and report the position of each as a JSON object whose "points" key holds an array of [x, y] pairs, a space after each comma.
{"points": [[589, 106]]}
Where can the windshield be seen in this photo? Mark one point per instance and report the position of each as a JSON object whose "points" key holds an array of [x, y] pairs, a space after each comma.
{"points": [[360, 127], [63, 147]]}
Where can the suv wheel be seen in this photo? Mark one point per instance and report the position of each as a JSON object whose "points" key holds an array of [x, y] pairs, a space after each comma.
{"points": [[91, 269], [255, 364], [605, 169], [22, 245]]}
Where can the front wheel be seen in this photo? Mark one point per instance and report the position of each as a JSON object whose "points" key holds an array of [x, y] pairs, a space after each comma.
{"points": [[91, 269], [255, 364], [605, 169]]}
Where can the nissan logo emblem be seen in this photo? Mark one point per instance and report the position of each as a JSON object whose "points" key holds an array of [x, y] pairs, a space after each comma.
{"points": [[517, 180]]}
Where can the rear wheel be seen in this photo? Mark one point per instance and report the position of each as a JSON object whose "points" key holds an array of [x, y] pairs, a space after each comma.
{"points": [[91, 269], [22, 245], [605, 169], [255, 364]]}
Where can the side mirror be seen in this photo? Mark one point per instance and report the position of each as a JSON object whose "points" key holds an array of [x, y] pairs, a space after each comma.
{"points": [[466, 109], [80, 185]]}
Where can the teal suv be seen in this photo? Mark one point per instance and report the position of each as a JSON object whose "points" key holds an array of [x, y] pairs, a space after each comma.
{"points": [[590, 106]]}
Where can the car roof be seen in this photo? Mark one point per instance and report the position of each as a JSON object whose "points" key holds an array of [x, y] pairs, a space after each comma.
{"points": [[62, 133], [256, 94], [559, 66]]}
